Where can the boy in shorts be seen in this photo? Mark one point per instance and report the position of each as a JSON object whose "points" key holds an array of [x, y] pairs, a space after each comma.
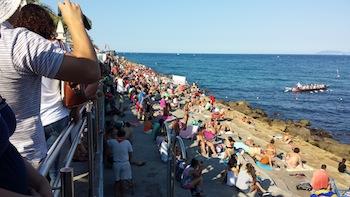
{"points": [[121, 150]]}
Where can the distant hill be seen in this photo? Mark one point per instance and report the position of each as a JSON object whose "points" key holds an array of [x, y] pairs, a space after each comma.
{"points": [[332, 53]]}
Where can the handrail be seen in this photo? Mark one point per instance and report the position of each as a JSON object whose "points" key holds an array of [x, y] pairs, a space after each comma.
{"points": [[47, 163], [172, 139], [95, 148], [69, 156]]}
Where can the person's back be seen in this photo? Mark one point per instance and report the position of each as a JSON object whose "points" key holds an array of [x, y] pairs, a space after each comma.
{"points": [[24, 58], [20, 83], [320, 179], [244, 180]]}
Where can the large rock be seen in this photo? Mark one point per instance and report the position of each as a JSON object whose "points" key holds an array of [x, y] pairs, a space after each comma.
{"points": [[305, 123], [342, 150], [278, 125], [297, 130], [241, 106]]}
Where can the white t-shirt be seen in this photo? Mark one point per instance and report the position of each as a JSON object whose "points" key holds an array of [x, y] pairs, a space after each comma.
{"points": [[244, 180], [51, 107], [120, 150], [24, 58]]}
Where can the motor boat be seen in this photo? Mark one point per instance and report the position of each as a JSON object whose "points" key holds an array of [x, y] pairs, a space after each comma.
{"points": [[309, 87]]}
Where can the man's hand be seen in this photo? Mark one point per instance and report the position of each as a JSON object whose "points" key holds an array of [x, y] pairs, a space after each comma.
{"points": [[71, 13]]}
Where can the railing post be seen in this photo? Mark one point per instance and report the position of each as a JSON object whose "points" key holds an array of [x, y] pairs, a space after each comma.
{"points": [[67, 188], [171, 163], [91, 149]]}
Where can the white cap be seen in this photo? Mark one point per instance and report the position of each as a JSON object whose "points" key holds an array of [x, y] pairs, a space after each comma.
{"points": [[8, 8]]}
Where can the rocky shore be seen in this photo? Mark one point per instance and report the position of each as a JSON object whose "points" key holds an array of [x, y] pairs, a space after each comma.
{"points": [[301, 129], [317, 146]]}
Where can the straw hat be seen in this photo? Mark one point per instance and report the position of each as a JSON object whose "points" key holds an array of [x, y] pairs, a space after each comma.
{"points": [[8, 8]]}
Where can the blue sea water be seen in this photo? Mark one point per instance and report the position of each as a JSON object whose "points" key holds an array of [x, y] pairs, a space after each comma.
{"points": [[261, 80]]}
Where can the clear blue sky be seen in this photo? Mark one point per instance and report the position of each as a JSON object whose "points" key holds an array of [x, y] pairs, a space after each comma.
{"points": [[222, 26]]}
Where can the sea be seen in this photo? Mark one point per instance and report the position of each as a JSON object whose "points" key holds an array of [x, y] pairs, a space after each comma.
{"points": [[261, 80]]}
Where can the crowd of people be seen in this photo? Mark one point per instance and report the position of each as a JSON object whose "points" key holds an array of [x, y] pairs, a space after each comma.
{"points": [[154, 98]]}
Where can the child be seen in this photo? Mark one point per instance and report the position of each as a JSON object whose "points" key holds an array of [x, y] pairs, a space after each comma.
{"points": [[121, 150]]}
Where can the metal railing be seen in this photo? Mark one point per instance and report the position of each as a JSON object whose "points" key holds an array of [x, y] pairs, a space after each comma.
{"points": [[93, 125], [173, 142]]}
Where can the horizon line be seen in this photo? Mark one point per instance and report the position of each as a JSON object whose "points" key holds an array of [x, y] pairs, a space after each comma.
{"points": [[218, 53]]}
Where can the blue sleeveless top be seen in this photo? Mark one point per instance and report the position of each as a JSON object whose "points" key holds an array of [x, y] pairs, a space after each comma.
{"points": [[13, 176]]}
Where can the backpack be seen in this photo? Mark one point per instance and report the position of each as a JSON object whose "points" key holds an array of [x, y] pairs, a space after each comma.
{"points": [[304, 186]]}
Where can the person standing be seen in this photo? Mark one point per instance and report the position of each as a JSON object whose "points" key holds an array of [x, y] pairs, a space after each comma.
{"points": [[122, 152], [26, 57]]}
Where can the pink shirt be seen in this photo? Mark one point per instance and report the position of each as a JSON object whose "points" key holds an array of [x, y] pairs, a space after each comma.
{"points": [[162, 103], [320, 180]]}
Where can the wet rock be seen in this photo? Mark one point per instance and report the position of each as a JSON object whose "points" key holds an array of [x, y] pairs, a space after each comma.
{"points": [[305, 123], [320, 132], [302, 132]]}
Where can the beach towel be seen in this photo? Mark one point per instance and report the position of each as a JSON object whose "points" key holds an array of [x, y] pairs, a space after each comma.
{"points": [[323, 193], [264, 166], [189, 132]]}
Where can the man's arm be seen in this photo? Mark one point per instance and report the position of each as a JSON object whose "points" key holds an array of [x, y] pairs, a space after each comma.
{"points": [[81, 65]]}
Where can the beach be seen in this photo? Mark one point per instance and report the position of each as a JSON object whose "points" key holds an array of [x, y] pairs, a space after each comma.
{"points": [[250, 123]]}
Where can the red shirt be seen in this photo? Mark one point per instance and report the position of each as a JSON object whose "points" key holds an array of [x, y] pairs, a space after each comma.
{"points": [[320, 180]]}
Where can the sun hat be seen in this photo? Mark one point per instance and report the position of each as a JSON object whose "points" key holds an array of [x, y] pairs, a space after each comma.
{"points": [[8, 8]]}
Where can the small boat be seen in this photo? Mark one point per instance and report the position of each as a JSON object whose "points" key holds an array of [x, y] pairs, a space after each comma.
{"points": [[309, 87]]}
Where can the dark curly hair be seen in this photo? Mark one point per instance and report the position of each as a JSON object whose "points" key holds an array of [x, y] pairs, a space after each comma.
{"points": [[36, 19]]}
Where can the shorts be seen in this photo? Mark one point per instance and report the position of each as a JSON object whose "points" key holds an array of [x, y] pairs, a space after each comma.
{"points": [[122, 171]]}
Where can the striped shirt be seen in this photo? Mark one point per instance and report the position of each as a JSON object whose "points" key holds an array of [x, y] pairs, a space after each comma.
{"points": [[24, 58]]}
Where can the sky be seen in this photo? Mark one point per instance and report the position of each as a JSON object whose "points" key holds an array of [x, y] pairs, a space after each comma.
{"points": [[221, 26]]}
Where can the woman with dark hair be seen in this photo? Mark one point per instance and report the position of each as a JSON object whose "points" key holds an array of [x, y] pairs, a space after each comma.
{"points": [[192, 177], [36, 19], [247, 181], [232, 171]]}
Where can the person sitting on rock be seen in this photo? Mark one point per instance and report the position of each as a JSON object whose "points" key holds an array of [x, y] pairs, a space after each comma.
{"points": [[342, 166], [270, 151], [232, 171], [247, 181], [293, 159], [320, 179], [287, 138], [229, 149]]}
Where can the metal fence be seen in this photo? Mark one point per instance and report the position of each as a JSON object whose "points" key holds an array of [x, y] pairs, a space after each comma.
{"points": [[174, 143], [92, 123]]}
